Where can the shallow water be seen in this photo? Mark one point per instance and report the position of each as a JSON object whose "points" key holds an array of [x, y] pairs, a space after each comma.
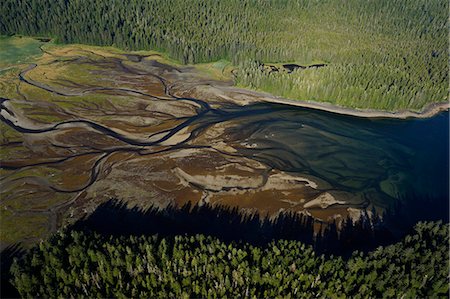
{"points": [[381, 158]]}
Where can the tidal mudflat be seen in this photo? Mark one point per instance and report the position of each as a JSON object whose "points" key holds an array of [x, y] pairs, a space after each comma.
{"points": [[81, 125]]}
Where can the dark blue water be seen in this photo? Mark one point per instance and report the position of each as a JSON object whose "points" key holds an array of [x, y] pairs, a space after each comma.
{"points": [[379, 160]]}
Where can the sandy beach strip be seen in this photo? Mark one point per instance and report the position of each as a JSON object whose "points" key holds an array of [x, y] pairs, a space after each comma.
{"points": [[257, 96]]}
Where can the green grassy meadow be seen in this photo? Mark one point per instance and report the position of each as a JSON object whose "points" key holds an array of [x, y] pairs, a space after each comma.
{"points": [[18, 50]]}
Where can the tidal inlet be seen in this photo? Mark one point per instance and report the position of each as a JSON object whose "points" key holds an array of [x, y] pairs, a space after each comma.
{"points": [[224, 149], [81, 125]]}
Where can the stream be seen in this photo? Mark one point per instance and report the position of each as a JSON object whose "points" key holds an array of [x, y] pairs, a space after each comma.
{"points": [[153, 135]]}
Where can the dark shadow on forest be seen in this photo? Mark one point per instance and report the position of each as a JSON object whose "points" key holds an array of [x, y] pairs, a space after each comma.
{"points": [[288, 67], [229, 224], [7, 290]]}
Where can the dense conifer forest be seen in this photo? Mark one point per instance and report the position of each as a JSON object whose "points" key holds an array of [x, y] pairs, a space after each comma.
{"points": [[387, 54], [87, 264]]}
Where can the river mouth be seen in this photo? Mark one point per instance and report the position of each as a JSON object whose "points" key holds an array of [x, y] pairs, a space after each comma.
{"points": [[83, 125]]}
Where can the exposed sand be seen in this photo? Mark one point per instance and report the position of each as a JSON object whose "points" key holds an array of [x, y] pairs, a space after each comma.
{"points": [[180, 136], [323, 201]]}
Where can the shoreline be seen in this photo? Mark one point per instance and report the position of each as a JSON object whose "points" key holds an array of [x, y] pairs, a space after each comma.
{"points": [[428, 111]]}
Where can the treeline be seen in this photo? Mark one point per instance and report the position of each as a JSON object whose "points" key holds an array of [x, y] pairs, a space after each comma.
{"points": [[384, 54], [87, 264]]}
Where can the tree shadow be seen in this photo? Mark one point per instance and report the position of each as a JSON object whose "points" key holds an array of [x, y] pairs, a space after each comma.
{"points": [[231, 224], [228, 224], [371, 231], [7, 290]]}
